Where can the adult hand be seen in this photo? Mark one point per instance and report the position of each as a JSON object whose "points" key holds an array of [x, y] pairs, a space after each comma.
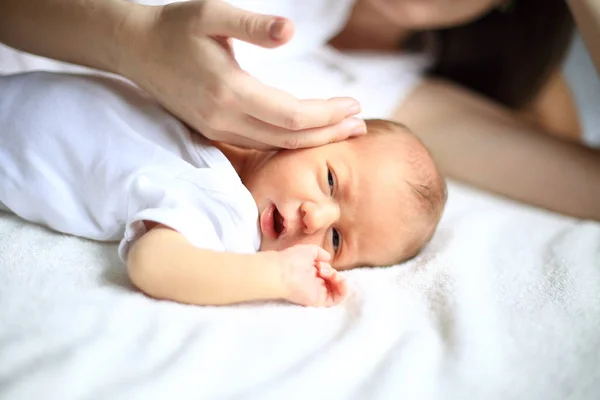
{"points": [[182, 56]]}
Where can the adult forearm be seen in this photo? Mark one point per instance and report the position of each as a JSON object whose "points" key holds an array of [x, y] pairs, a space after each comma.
{"points": [[478, 142], [587, 16], [163, 264], [93, 33]]}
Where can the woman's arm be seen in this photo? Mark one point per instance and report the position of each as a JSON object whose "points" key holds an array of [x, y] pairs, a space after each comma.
{"points": [[180, 53], [85, 32], [479, 142], [165, 265], [554, 110]]}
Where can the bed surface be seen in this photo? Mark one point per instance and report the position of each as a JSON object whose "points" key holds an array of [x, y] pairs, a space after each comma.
{"points": [[504, 304]]}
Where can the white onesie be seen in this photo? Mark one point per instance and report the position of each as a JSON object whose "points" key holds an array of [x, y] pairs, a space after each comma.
{"points": [[94, 157]]}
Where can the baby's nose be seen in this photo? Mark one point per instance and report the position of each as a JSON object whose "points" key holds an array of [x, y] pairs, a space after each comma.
{"points": [[316, 217]]}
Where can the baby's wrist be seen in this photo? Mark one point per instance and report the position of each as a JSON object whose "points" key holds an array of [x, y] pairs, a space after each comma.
{"points": [[273, 270]]}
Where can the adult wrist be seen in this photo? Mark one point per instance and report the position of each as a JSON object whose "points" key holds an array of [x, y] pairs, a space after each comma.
{"points": [[130, 38]]}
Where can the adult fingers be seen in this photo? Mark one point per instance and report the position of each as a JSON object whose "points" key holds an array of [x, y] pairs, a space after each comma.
{"points": [[279, 108], [235, 139], [222, 19], [279, 137]]}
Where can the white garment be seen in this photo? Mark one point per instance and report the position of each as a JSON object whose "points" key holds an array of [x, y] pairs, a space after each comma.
{"points": [[380, 82], [315, 21], [308, 67], [94, 157]]}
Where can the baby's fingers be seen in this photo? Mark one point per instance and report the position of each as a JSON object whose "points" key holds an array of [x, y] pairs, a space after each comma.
{"points": [[341, 285], [316, 253], [326, 271], [337, 288]]}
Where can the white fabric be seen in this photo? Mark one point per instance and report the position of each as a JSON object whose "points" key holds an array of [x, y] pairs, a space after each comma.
{"points": [[380, 82], [374, 79], [316, 21], [504, 304], [95, 158]]}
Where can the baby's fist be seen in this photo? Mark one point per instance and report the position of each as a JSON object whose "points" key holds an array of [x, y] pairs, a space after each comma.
{"points": [[308, 279]]}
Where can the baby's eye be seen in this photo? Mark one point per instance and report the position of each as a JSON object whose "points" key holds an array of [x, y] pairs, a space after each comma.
{"points": [[330, 180], [335, 240]]}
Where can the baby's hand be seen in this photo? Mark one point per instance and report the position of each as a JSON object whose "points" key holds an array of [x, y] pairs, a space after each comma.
{"points": [[308, 279]]}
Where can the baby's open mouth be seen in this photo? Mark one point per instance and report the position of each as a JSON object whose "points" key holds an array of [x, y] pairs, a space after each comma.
{"points": [[278, 222]]}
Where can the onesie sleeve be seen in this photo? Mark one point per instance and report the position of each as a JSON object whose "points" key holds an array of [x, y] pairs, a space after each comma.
{"points": [[209, 207]]}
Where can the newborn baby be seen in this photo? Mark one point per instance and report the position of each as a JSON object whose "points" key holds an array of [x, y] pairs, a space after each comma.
{"points": [[94, 157]]}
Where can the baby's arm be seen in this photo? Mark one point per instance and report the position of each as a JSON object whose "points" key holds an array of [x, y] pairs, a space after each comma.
{"points": [[164, 265]]}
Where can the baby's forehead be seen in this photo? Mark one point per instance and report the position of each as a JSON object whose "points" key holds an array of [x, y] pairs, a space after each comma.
{"points": [[386, 203], [395, 146], [381, 126], [397, 186], [390, 133], [383, 137], [390, 231], [393, 226]]}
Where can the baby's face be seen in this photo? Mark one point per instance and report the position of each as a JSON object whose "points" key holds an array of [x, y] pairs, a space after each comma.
{"points": [[352, 198]]}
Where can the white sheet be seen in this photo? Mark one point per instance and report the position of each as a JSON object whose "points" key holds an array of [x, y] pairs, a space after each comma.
{"points": [[504, 304]]}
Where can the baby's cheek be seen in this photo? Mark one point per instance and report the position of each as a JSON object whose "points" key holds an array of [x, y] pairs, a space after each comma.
{"points": [[305, 240]]}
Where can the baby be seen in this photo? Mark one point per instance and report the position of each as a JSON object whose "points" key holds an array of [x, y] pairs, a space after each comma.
{"points": [[96, 158]]}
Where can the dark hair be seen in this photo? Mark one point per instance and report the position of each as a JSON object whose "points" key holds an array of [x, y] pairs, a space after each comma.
{"points": [[509, 54]]}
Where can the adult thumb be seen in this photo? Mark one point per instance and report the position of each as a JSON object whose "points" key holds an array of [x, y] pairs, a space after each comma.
{"points": [[222, 19]]}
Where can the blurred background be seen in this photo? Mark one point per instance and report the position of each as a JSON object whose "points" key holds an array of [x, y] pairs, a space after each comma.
{"points": [[584, 82]]}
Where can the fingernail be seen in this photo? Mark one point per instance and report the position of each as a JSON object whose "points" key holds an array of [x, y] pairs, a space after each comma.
{"points": [[276, 29], [353, 109], [356, 126], [358, 132]]}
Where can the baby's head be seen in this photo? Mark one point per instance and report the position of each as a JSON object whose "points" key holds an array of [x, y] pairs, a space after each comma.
{"points": [[371, 200]]}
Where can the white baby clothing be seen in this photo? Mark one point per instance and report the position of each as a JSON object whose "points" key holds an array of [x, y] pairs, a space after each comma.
{"points": [[95, 157]]}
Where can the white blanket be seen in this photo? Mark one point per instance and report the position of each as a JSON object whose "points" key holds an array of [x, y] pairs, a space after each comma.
{"points": [[504, 304]]}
